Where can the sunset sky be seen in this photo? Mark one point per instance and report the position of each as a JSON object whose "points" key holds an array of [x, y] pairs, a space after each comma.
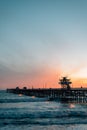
{"points": [[42, 40]]}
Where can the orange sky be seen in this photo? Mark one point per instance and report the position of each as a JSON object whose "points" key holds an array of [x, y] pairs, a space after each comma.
{"points": [[46, 78]]}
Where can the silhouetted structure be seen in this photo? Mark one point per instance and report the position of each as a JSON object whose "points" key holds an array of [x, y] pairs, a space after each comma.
{"points": [[64, 94], [65, 83]]}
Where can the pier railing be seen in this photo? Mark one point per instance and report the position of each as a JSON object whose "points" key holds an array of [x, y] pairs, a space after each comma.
{"points": [[74, 94]]}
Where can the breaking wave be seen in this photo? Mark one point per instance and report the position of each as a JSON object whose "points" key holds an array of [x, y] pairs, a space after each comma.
{"points": [[24, 110]]}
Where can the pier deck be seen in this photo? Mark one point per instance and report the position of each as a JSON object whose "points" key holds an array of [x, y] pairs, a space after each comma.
{"points": [[74, 94], [65, 93]]}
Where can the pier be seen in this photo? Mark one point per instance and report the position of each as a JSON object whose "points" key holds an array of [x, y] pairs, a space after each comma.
{"points": [[63, 94]]}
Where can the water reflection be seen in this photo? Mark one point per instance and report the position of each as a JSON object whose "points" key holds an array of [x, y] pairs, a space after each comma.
{"points": [[71, 105], [20, 95], [67, 105], [33, 96]]}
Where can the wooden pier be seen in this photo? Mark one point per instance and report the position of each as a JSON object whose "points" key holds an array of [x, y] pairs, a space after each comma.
{"points": [[64, 94]]}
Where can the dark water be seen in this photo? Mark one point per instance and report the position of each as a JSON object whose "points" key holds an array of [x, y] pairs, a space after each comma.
{"points": [[18, 112]]}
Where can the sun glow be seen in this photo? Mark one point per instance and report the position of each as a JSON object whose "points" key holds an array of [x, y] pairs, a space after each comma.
{"points": [[81, 74]]}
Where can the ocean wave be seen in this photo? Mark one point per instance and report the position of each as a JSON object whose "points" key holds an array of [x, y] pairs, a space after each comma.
{"points": [[24, 113], [22, 100], [47, 121], [24, 110]]}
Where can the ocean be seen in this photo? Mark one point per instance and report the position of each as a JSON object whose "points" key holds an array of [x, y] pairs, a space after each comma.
{"points": [[19, 112]]}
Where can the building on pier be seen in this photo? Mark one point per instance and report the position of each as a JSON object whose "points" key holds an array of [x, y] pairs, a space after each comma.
{"points": [[65, 83], [65, 93]]}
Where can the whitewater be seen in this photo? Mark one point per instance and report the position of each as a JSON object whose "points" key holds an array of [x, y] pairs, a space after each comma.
{"points": [[20, 112]]}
